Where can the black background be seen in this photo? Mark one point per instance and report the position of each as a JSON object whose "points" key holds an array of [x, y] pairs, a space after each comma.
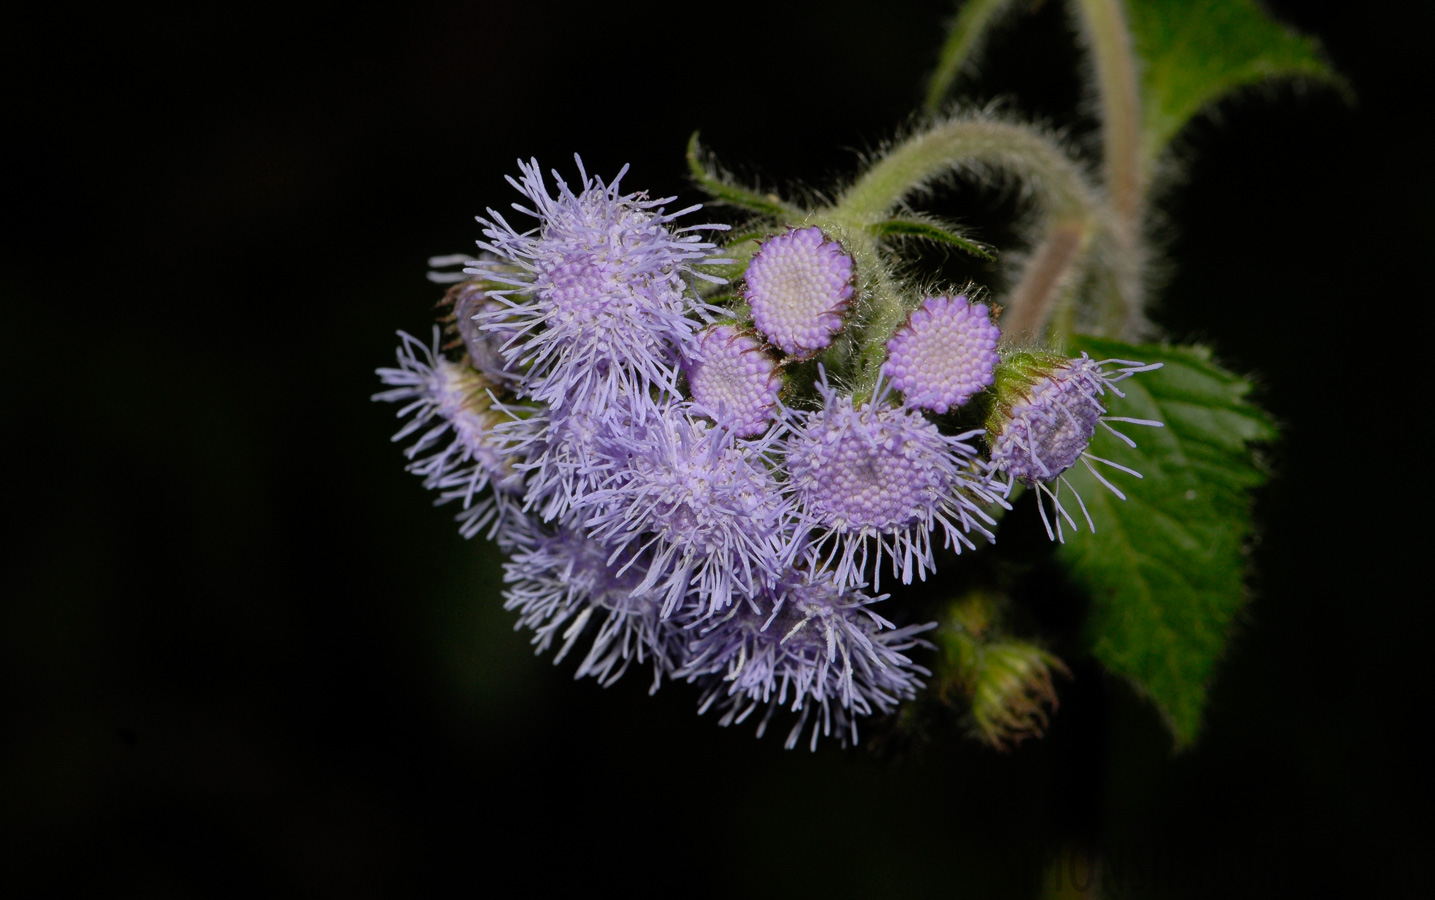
{"points": [[240, 654]]}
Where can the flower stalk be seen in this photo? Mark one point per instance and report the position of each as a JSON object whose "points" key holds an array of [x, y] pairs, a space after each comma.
{"points": [[1118, 91], [982, 146]]}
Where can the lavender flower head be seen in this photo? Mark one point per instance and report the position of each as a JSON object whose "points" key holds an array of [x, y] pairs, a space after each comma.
{"points": [[799, 286], [598, 305], [567, 454], [1048, 426], [882, 472], [560, 582], [731, 378], [944, 354], [706, 505], [808, 643]]}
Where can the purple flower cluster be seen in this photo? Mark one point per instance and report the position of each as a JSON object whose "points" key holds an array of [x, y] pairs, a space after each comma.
{"points": [[629, 445], [594, 303]]}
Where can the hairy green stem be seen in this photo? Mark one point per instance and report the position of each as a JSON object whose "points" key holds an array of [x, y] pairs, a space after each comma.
{"points": [[889, 312], [1112, 55], [882, 308], [980, 145], [1120, 97], [975, 144]]}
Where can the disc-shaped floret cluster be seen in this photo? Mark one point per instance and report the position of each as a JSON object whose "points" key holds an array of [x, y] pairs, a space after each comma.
{"points": [[799, 285], [733, 380], [944, 354], [874, 469]]}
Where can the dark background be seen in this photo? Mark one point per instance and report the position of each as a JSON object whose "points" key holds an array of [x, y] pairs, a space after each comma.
{"points": [[240, 654]]}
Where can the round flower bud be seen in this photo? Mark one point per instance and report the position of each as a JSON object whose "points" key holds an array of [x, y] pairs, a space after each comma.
{"points": [[733, 380], [799, 286], [1007, 682], [944, 354]]}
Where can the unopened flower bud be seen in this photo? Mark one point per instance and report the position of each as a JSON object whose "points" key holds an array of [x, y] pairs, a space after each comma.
{"points": [[732, 379], [799, 286], [1007, 682], [943, 354]]}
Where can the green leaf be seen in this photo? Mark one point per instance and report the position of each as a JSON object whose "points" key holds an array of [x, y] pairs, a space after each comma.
{"points": [[1165, 568], [932, 230], [723, 191], [1194, 52]]}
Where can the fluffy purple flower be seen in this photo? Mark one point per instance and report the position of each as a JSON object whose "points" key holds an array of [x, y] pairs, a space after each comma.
{"points": [[1048, 427], [599, 304], [453, 412], [806, 643], [799, 285], [703, 503], [566, 454], [884, 473], [944, 354], [561, 582], [732, 379]]}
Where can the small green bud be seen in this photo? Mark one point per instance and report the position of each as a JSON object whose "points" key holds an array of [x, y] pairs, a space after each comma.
{"points": [[1007, 683]]}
